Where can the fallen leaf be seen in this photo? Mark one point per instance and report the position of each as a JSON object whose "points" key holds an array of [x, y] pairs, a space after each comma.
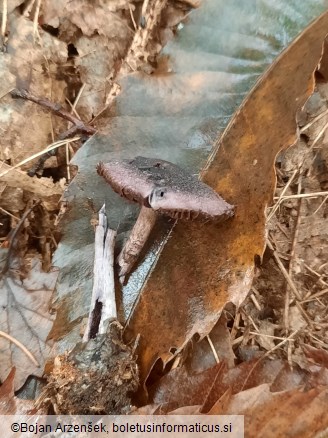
{"points": [[25, 317], [94, 29], [182, 387], [201, 353], [9, 404], [317, 355], [25, 127], [293, 413], [175, 114], [213, 264]]}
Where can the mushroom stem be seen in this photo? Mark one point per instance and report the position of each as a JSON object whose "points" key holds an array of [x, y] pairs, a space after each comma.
{"points": [[136, 240]]}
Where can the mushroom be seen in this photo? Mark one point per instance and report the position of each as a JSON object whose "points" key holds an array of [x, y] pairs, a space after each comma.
{"points": [[159, 187]]}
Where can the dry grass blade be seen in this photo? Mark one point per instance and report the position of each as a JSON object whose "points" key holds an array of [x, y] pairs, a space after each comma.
{"points": [[320, 134], [290, 337], [318, 117], [321, 205], [132, 18], [276, 206], [213, 349], [9, 214], [316, 295], [51, 147], [21, 346], [284, 272], [302, 195], [266, 336]]}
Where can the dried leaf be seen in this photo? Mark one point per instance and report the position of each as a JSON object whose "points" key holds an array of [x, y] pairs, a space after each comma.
{"points": [[94, 28], [317, 355], [202, 355], [25, 317], [25, 127], [291, 413], [202, 267], [176, 114], [180, 387], [9, 404]]}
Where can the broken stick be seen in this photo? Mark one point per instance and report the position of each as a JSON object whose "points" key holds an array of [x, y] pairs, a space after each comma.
{"points": [[103, 304]]}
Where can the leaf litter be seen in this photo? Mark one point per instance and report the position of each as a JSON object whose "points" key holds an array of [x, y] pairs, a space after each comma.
{"points": [[252, 328]]}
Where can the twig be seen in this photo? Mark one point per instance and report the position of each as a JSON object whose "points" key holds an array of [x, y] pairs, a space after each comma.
{"points": [[12, 236], [78, 97], [21, 346], [73, 110], [56, 109], [292, 256], [5, 93], [103, 304], [284, 272], [255, 302], [318, 341], [324, 283]]}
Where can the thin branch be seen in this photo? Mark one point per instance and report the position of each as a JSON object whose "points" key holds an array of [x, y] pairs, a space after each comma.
{"points": [[103, 304], [56, 109], [292, 256]]}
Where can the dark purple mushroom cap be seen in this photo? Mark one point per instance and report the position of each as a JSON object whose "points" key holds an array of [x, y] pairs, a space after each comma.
{"points": [[165, 188]]}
